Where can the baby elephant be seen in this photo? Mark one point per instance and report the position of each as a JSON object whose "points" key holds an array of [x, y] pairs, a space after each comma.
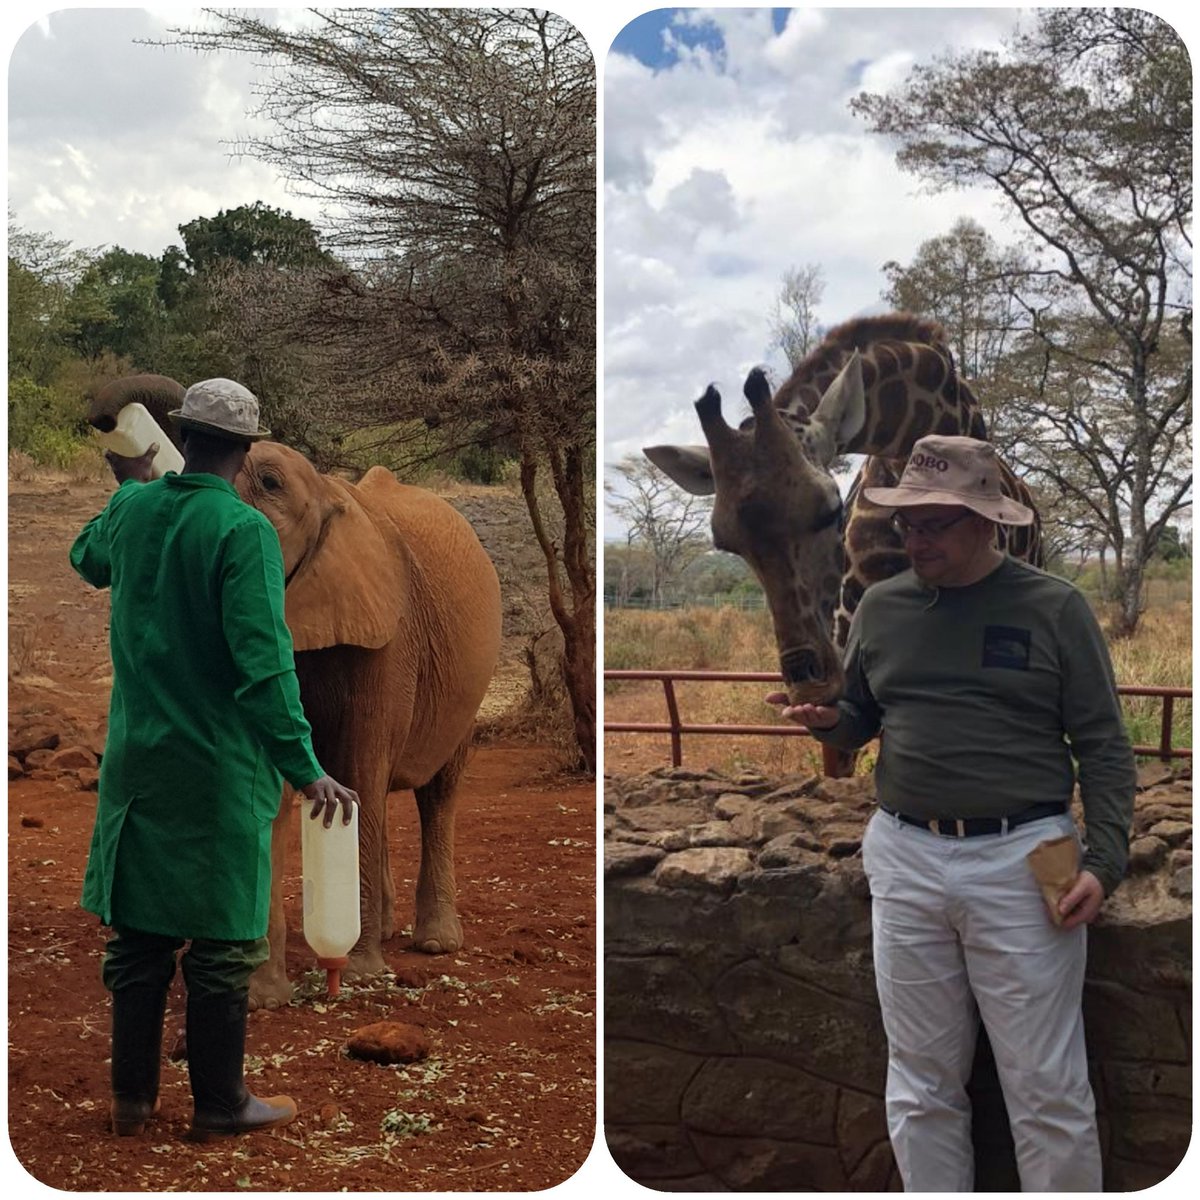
{"points": [[394, 609]]}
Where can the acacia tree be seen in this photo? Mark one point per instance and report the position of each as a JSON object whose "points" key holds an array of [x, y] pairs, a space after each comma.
{"points": [[669, 523], [1084, 128], [455, 151]]}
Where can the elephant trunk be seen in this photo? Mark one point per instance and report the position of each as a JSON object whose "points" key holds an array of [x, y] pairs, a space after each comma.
{"points": [[158, 393]]}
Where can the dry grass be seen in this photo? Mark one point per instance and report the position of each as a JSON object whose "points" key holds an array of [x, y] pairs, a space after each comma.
{"points": [[727, 639]]}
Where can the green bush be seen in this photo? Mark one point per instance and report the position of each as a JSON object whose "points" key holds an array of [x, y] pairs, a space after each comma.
{"points": [[480, 464]]}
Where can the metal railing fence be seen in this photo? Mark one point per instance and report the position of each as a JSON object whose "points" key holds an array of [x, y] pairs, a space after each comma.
{"points": [[677, 728]]}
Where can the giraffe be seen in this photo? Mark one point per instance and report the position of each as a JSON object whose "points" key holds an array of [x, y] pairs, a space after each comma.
{"points": [[873, 386]]}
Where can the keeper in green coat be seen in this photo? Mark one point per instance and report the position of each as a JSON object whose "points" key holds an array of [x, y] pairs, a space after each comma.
{"points": [[205, 724]]}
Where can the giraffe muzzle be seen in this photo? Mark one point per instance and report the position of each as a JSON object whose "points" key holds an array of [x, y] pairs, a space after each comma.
{"points": [[805, 680]]}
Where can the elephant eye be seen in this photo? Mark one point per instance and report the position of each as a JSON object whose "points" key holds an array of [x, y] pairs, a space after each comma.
{"points": [[272, 483]]}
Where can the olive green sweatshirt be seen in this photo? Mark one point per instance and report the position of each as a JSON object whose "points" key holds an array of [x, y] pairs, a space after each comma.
{"points": [[990, 698]]}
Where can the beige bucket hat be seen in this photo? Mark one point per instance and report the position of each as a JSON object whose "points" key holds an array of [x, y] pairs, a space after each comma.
{"points": [[954, 470], [221, 408]]}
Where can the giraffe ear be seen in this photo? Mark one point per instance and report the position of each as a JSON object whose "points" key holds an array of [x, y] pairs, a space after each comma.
{"points": [[688, 466], [843, 409]]}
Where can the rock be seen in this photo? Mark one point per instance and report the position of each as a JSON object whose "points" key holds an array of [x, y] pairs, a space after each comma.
{"points": [[707, 869], [95, 740], [1174, 833], [732, 804], [32, 822], [34, 737], [790, 791], [1146, 854], [388, 1042], [1152, 773], [844, 845], [71, 758], [857, 792], [797, 849], [328, 1115], [1180, 858], [1181, 883], [625, 858], [634, 799], [15, 770], [656, 817], [89, 779], [762, 824], [38, 758], [711, 833]]}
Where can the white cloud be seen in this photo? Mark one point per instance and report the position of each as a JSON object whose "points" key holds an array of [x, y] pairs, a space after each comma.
{"points": [[112, 141]]}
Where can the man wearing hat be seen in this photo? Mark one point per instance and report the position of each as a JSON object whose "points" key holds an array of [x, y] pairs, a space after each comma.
{"points": [[205, 722], [993, 689]]}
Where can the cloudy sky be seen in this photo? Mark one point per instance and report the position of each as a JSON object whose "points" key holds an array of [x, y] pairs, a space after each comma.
{"points": [[730, 156], [115, 142]]}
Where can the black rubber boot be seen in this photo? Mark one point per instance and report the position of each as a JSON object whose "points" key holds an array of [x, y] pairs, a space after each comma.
{"points": [[137, 1025], [216, 1044]]}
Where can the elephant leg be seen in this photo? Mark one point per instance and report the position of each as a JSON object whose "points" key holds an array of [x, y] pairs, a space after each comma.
{"points": [[366, 958], [387, 890], [269, 987], [437, 929]]}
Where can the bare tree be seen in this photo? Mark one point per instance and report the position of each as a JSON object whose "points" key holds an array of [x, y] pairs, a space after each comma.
{"points": [[455, 149], [668, 522], [1084, 129], [794, 325]]}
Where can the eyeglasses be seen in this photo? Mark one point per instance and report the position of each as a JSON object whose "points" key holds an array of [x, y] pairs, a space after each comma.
{"points": [[930, 529]]}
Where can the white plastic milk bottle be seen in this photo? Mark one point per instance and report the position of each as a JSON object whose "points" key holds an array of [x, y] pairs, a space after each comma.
{"points": [[136, 431], [329, 867]]}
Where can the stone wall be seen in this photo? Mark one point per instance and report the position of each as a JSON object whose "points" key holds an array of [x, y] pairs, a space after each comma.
{"points": [[743, 1043]]}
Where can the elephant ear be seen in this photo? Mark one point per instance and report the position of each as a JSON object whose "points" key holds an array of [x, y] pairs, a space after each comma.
{"points": [[347, 591]]}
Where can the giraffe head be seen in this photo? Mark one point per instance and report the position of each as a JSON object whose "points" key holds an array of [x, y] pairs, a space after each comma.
{"points": [[777, 505]]}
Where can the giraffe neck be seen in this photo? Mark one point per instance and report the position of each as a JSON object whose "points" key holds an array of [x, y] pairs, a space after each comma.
{"points": [[910, 387]]}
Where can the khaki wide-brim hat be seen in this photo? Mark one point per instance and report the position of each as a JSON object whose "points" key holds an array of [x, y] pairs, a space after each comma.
{"points": [[954, 470], [220, 408]]}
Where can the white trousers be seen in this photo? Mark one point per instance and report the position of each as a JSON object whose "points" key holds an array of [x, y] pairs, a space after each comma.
{"points": [[961, 932]]}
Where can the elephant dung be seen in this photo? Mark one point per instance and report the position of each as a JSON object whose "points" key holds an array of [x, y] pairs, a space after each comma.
{"points": [[388, 1042]]}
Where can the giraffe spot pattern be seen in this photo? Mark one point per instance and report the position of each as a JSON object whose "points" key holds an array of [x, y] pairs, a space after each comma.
{"points": [[892, 410], [922, 419], [932, 370]]}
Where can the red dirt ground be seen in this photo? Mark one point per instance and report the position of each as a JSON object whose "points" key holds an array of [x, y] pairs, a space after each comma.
{"points": [[504, 1101]]}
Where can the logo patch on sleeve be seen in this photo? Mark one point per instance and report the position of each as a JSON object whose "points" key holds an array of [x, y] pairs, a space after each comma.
{"points": [[1006, 646]]}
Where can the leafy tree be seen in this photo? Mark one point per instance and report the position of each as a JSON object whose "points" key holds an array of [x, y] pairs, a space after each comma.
{"points": [[1171, 545], [458, 145], [1084, 128], [42, 271], [115, 308], [252, 233]]}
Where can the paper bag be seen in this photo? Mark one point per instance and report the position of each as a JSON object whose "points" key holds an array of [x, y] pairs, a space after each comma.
{"points": [[1055, 866]]}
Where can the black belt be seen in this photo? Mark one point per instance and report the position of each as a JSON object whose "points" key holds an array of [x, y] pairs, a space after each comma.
{"points": [[976, 826]]}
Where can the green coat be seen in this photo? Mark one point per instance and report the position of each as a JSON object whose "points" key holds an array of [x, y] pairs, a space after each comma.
{"points": [[205, 716]]}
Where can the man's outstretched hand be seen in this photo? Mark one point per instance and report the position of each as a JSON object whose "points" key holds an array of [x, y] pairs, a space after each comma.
{"points": [[812, 716]]}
